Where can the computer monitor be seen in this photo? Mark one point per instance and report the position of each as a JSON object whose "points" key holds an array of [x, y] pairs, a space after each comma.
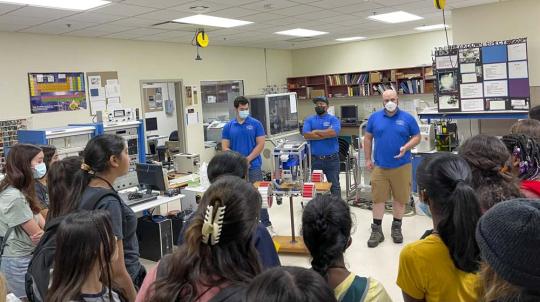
{"points": [[349, 114], [151, 124], [151, 177]]}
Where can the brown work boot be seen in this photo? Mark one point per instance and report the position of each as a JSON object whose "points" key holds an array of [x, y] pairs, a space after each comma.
{"points": [[396, 232], [376, 237]]}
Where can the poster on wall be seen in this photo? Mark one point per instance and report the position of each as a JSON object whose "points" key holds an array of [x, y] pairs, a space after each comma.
{"points": [[56, 91]]}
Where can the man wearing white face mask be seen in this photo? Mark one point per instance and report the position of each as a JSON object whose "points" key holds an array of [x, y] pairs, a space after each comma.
{"points": [[396, 132], [246, 136]]}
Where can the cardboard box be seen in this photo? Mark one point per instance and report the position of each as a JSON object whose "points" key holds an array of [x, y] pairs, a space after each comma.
{"points": [[375, 77], [316, 93]]}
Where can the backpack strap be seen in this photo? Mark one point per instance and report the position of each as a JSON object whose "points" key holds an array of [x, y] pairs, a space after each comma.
{"points": [[4, 240], [97, 197]]}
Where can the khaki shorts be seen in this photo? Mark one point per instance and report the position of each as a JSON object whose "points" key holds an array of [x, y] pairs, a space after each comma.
{"points": [[387, 183]]}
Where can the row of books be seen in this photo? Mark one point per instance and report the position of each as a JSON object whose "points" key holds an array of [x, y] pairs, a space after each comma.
{"points": [[412, 86], [380, 88], [348, 79]]}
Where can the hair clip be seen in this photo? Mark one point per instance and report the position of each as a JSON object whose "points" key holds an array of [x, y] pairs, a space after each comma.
{"points": [[213, 223], [87, 168]]}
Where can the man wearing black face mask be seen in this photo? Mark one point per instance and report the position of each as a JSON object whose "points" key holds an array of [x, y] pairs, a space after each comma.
{"points": [[322, 130]]}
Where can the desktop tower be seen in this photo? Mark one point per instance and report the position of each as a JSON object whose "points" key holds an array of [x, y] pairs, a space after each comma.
{"points": [[155, 237]]}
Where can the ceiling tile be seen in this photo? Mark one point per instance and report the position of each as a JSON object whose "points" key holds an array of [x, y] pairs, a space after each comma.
{"points": [[262, 17], [6, 8], [109, 29], [212, 6], [86, 33], [233, 12], [358, 7], [118, 9], [267, 5], [396, 2], [12, 19], [94, 17], [134, 22], [41, 12], [164, 15], [59, 27], [156, 3], [11, 27], [145, 31], [297, 11]]}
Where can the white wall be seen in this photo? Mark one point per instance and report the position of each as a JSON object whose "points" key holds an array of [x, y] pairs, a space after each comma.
{"points": [[385, 53], [134, 61], [167, 123]]}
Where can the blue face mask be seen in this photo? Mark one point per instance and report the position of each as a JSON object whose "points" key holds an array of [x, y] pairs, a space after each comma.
{"points": [[39, 171], [425, 208], [243, 114]]}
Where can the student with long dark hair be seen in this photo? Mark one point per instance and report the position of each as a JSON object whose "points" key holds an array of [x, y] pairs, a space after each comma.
{"points": [[444, 265], [288, 283], [86, 239], [326, 229], [509, 238], [50, 156], [60, 178], [105, 158], [489, 161], [20, 213], [219, 257]]}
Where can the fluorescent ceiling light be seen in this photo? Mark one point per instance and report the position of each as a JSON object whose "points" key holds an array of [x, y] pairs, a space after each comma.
{"points": [[395, 17], [350, 39], [61, 4], [212, 21], [431, 27], [300, 32]]}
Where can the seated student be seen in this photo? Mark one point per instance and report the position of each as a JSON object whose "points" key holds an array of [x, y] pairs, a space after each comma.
{"points": [[525, 162], [489, 161], [20, 214], [49, 156], [528, 127], [86, 239], [509, 239], [443, 266], [234, 163], [219, 257], [60, 180], [326, 229], [288, 283], [105, 158]]}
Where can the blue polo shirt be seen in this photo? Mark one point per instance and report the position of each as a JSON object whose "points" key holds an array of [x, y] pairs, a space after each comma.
{"points": [[325, 146], [243, 137], [390, 134]]}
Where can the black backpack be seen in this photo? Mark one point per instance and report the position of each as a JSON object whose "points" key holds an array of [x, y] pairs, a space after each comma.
{"points": [[38, 276]]}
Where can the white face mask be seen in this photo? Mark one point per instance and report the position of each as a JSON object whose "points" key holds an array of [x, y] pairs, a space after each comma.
{"points": [[390, 106]]}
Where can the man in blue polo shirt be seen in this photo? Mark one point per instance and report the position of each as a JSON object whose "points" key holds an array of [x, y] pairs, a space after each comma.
{"points": [[245, 135], [396, 132], [322, 130]]}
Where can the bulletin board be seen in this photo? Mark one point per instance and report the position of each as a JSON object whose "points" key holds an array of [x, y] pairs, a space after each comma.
{"points": [[480, 77], [56, 91], [103, 91]]}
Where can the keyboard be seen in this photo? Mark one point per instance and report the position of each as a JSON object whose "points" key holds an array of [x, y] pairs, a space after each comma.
{"points": [[145, 198]]}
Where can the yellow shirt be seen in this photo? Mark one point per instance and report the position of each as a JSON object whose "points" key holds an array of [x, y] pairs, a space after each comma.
{"points": [[426, 271], [375, 290]]}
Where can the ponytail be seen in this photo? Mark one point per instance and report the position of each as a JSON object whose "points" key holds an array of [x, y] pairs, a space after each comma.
{"points": [[326, 228], [457, 228], [446, 179]]}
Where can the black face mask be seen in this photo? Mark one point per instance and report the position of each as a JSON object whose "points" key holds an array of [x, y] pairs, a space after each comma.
{"points": [[319, 110]]}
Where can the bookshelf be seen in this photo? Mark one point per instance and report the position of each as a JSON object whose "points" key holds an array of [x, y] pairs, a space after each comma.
{"points": [[414, 80]]}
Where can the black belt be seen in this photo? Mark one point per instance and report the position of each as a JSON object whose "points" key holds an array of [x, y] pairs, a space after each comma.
{"points": [[331, 156]]}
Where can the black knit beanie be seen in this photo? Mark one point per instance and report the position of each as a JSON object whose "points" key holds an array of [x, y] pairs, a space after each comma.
{"points": [[509, 239]]}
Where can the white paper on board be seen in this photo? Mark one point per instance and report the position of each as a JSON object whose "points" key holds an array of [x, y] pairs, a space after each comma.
{"points": [[113, 106], [192, 118], [293, 103], [112, 91], [496, 88], [113, 100], [448, 102], [113, 82], [446, 62], [467, 68], [472, 105], [518, 70], [61, 75], [495, 71], [469, 78], [517, 52], [471, 91], [497, 105], [98, 106], [94, 81], [211, 99], [519, 104], [39, 78]]}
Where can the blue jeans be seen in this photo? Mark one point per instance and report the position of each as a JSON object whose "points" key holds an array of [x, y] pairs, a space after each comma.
{"points": [[329, 164], [255, 174], [14, 269]]}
